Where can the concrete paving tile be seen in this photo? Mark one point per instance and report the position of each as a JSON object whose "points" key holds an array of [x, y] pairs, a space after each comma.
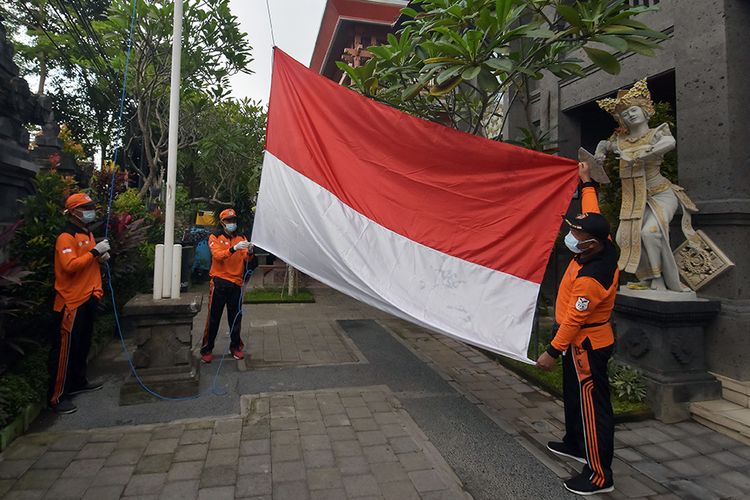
{"points": [[182, 490], [127, 456], [154, 463], [83, 468], [291, 489], [316, 442], [253, 485], [70, 442], [729, 459], [185, 471], [218, 476], [228, 426], [191, 452], [336, 420], [96, 450], [286, 452], [68, 487], [355, 465], [224, 456], [37, 479], [161, 446], [169, 431], [346, 448], [312, 428], [24, 451], [134, 440], [319, 459], [113, 492], [324, 478], [334, 494], [399, 490], [379, 453], [25, 495], [386, 472], [255, 447], [145, 484], [414, 461], [254, 464], [288, 471], [723, 489], [361, 485], [216, 493], [227, 440], [632, 487], [196, 436], [369, 438], [12, 469], [114, 476], [341, 433], [54, 460], [738, 479], [364, 424], [685, 488], [427, 480]]}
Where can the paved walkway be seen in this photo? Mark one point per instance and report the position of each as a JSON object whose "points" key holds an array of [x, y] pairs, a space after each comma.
{"points": [[342, 401]]}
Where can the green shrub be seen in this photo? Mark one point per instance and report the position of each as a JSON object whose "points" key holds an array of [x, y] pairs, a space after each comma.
{"points": [[626, 383], [128, 202], [15, 395]]}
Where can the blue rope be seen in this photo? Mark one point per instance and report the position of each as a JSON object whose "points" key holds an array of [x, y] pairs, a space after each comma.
{"points": [[248, 272]]}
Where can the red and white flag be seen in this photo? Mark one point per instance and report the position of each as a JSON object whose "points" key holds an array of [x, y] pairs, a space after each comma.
{"points": [[441, 228]]}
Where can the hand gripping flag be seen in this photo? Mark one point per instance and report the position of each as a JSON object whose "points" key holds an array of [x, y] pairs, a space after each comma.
{"points": [[444, 229]]}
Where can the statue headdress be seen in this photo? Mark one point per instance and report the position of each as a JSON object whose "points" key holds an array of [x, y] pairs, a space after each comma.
{"points": [[637, 95]]}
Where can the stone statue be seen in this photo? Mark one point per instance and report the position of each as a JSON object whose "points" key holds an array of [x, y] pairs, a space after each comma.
{"points": [[649, 200]]}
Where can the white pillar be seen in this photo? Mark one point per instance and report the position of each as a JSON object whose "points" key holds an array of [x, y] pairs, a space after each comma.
{"points": [[158, 270], [176, 270], [174, 122]]}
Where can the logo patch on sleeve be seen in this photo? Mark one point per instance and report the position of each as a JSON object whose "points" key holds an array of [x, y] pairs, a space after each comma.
{"points": [[582, 303], [67, 250]]}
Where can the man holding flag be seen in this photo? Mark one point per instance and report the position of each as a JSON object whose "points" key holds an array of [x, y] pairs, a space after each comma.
{"points": [[584, 336], [231, 254]]}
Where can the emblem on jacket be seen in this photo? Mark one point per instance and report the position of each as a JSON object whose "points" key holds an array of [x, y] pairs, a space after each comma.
{"points": [[582, 303]]}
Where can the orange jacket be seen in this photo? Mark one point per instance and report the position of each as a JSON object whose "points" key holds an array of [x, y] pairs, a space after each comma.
{"points": [[587, 293], [226, 263], [77, 272]]}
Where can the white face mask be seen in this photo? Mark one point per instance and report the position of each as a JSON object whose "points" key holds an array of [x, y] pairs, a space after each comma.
{"points": [[572, 243], [88, 216], [231, 227]]}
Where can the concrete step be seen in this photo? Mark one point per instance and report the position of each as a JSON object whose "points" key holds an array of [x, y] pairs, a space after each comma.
{"points": [[724, 416]]}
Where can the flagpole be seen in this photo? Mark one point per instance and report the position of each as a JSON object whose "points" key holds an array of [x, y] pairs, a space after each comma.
{"points": [[174, 122]]}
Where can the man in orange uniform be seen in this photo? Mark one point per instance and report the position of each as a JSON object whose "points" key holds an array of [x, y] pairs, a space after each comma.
{"points": [[78, 287], [230, 255], [585, 338]]}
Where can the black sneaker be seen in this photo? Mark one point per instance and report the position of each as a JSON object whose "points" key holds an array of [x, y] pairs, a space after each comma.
{"points": [[582, 485], [566, 451], [64, 407], [89, 387]]}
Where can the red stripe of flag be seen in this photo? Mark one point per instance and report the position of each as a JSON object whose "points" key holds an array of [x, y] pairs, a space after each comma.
{"points": [[476, 199]]}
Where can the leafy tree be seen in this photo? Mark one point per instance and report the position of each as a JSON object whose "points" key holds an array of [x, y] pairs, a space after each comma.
{"points": [[213, 49], [225, 163], [455, 60]]}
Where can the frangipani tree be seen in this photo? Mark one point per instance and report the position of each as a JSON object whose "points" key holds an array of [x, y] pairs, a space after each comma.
{"points": [[454, 59]]}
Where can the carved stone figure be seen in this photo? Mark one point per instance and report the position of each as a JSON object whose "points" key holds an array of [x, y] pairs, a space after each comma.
{"points": [[649, 200]]}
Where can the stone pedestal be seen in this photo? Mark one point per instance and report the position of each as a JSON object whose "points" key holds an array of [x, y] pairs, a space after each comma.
{"points": [[162, 330], [663, 335]]}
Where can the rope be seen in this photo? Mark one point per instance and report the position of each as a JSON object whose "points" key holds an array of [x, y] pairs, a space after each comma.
{"points": [[113, 179], [270, 23]]}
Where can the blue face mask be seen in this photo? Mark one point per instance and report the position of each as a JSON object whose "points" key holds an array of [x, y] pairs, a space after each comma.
{"points": [[231, 227], [88, 216]]}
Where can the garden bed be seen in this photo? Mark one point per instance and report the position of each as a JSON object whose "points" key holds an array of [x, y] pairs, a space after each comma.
{"points": [[278, 296], [23, 389]]}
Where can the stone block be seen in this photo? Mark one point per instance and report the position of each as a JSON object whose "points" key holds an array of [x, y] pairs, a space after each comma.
{"points": [[182, 490], [145, 484], [218, 476], [83, 468], [324, 478], [113, 492], [114, 476], [54, 460], [399, 490], [361, 485], [191, 452], [216, 493], [319, 459], [154, 463], [255, 447], [185, 471], [253, 485], [288, 471], [163, 355], [291, 489]]}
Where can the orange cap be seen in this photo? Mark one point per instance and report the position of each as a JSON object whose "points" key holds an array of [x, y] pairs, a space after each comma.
{"points": [[76, 200], [225, 214]]}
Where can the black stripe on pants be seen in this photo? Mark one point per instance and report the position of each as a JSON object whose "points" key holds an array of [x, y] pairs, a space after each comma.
{"points": [[71, 342], [589, 420], [223, 293]]}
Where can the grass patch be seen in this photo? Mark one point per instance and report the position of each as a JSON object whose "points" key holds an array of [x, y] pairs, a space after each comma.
{"points": [[277, 296], [551, 382]]}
